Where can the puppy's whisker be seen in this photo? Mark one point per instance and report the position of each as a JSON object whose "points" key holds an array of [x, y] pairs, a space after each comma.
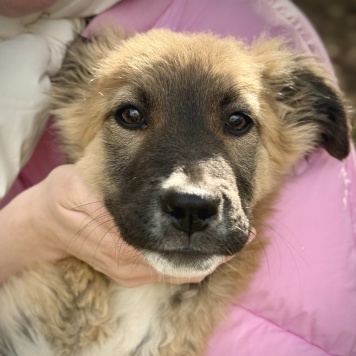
{"points": [[100, 241], [89, 234], [90, 203], [81, 227], [252, 232], [234, 268]]}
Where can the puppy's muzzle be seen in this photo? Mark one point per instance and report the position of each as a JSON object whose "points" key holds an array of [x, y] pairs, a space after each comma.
{"points": [[189, 212]]}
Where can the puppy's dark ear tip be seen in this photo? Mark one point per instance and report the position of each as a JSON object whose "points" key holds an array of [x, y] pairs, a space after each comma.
{"points": [[340, 155], [339, 149], [82, 39]]}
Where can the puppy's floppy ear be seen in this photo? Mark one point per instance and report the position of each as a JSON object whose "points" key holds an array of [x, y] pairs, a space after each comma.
{"points": [[81, 59], [74, 90], [308, 100]]}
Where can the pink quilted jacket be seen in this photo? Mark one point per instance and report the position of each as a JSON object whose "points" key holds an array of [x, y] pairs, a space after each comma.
{"points": [[303, 299]]}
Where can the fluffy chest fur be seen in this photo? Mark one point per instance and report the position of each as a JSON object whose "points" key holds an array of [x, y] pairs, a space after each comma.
{"points": [[137, 327], [83, 313]]}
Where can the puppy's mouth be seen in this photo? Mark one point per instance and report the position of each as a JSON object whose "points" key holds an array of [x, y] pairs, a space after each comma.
{"points": [[187, 261], [183, 265], [185, 255], [185, 251]]}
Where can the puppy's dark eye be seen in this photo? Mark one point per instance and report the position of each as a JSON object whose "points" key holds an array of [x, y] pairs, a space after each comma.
{"points": [[130, 118], [238, 124]]}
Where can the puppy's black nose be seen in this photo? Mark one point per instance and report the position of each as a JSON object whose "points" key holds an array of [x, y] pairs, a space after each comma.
{"points": [[190, 212]]}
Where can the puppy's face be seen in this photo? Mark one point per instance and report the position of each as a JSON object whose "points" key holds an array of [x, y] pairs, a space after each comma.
{"points": [[183, 135]]}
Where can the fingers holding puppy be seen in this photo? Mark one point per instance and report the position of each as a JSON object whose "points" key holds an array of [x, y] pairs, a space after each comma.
{"points": [[77, 221]]}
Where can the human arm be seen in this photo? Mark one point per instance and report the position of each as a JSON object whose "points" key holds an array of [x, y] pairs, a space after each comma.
{"points": [[61, 217]]}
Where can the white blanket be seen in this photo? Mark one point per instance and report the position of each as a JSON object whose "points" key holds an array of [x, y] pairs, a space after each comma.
{"points": [[31, 51]]}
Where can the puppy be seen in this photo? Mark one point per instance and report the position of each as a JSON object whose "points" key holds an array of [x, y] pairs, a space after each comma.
{"points": [[187, 138]]}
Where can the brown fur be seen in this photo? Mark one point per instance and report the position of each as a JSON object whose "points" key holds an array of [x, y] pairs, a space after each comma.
{"points": [[295, 108]]}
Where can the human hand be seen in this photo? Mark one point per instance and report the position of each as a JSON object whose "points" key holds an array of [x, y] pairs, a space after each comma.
{"points": [[76, 222]]}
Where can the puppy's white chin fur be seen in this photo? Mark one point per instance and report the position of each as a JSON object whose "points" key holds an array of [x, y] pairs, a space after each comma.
{"points": [[199, 268]]}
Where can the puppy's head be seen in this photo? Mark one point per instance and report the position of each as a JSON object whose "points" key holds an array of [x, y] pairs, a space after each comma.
{"points": [[183, 135]]}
